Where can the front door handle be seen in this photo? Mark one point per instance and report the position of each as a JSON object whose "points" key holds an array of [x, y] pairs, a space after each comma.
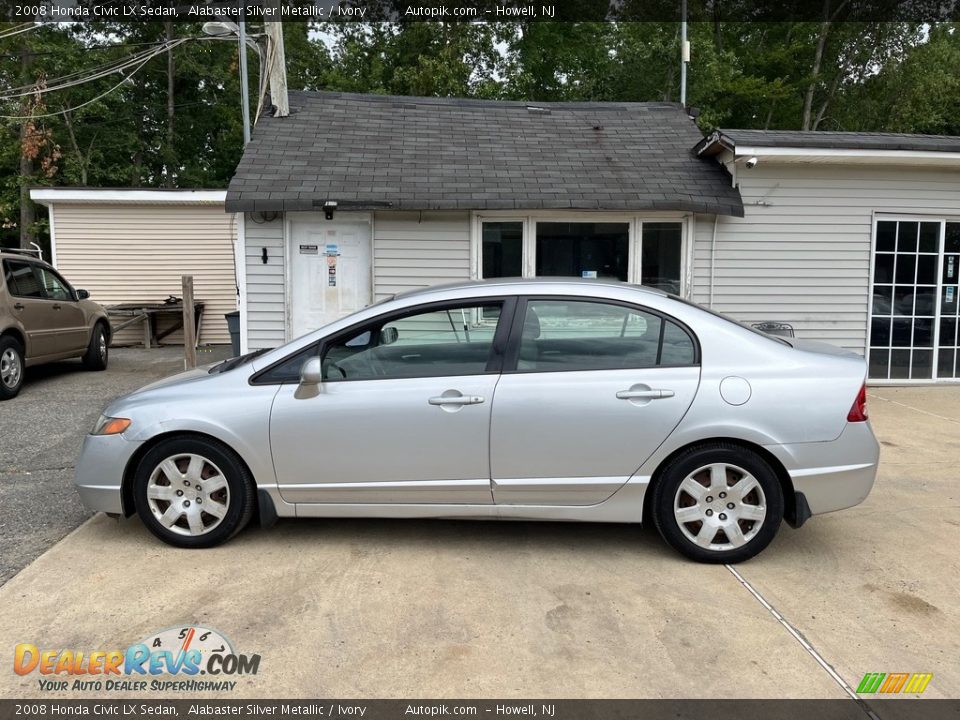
{"points": [[56, 306], [456, 400], [18, 306], [644, 394]]}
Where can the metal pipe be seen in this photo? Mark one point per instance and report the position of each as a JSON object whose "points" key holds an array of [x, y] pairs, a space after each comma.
{"points": [[684, 53], [244, 89]]}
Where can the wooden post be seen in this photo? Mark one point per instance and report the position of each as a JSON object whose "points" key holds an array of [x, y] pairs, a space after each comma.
{"points": [[189, 324]]}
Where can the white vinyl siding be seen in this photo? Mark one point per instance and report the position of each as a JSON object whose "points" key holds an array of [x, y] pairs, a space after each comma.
{"points": [[266, 317], [417, 249], [801, 254], [130, 253]]}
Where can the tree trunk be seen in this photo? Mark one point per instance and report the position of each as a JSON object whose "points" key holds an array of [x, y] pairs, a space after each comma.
{"points": [[28, 168], [817, 62]]}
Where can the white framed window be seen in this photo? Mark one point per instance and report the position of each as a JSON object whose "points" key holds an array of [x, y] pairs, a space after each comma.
{"points": [[643, 249]]}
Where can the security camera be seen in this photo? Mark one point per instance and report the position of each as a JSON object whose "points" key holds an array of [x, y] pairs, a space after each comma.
{"points": [[751, 163]]}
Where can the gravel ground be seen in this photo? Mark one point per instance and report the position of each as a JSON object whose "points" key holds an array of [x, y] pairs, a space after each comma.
{"points": [[40, 435]]}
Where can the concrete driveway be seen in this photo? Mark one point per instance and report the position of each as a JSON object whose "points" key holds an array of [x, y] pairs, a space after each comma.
{"points": [[471, 609]]}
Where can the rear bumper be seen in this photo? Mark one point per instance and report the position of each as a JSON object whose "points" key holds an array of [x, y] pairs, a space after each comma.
{"points": [[99, 471], [833, 475]]}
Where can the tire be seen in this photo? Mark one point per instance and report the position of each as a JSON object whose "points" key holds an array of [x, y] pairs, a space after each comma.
{"points": [[12, 367], [701, 493], [98, 352], [183, 464]]}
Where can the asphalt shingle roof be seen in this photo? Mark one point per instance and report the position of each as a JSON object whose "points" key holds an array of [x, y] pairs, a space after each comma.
{"points": [[842, 140], [378, 152]]}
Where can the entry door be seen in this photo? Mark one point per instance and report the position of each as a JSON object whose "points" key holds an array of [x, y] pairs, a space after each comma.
{"points": [[329, 269], [597, 388]]}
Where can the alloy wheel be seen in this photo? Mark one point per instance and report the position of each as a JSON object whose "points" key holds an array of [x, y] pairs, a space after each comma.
{"points": [[720, 507], [188, 494], [10, 368]]}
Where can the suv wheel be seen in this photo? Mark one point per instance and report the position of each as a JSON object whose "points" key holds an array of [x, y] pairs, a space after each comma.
{"points": [[97, 352], [11, 367]]}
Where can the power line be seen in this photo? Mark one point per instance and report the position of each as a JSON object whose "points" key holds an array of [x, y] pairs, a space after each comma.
{"points": [[27, 26], [98, 97]]}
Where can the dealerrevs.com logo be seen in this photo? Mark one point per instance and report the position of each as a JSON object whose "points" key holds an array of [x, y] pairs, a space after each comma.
{"points": [[182, 652]]}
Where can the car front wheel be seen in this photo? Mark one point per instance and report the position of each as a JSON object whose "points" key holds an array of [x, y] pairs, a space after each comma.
{"points": [[718, 503], [97, 352], [192, 492], [11, 367]]}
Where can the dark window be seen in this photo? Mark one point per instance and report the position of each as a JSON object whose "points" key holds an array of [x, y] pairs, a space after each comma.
{"points": [[660, 256], [580, 335], [502, 249], [582, 249], [53, 285], [439, 342], [22, 279], [288, 371]]}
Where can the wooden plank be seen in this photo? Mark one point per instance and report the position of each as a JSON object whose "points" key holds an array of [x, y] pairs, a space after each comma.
{"points": [[189, 324]]}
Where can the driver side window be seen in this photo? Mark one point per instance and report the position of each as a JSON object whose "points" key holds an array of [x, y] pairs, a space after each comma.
{"points": [[439, 342]]}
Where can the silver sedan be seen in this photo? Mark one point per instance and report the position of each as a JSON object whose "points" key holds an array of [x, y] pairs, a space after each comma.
{"points": [[535, 399]]}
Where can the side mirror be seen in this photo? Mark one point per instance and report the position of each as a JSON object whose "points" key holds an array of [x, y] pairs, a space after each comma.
{"points": [[389, 335], [82, 294], [312, 372]]}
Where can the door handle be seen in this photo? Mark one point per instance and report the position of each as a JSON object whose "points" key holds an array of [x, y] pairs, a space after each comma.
{"points": [[456, 400], [644, 394], [56, 306], [18, 306]]}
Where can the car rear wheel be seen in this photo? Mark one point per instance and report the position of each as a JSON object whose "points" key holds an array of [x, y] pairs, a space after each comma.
{"points": [[97, 353], [193, 493], [11, 367], [718, 503]]}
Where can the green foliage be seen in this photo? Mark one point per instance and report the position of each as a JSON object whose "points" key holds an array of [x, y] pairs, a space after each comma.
{"points": [[899, 77]]}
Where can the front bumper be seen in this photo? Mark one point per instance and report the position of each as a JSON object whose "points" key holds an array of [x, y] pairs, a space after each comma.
{"points": [[99, 471], [833, 475]]}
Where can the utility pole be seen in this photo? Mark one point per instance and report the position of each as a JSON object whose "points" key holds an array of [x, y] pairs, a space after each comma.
{"points": [[277, 69], [27, 165], [684, 53]]}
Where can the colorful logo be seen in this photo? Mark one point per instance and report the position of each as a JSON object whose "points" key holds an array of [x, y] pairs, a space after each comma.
{"points": [[186, 651], [892, 683]]}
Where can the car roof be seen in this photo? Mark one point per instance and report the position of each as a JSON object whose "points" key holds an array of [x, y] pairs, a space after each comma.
{"points": [[530, 285]]}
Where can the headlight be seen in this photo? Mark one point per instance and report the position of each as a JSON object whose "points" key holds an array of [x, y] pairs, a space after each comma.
{"points": [[110, 425]]}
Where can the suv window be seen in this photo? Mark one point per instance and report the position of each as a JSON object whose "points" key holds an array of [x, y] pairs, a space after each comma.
{"points": [[55, 288], [441, 342], [22, 280], [582, 335]]}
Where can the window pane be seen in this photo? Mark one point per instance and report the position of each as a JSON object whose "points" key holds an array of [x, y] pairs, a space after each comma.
{"points": [[907, 237], [948, 331], [882, 299], [951, 264], [903, 300], [21, 279], [879, 363], [575, 335], [502, 249], [923, 332], [945, 367], [927, 270], [906, 269], [929, 237], [902, 332], [922, 364], [660, 256], [453, 341], [886, 236], [899, 364], [582, 250], [951, 241], [880, 331], [949, 300], [883, 268]]}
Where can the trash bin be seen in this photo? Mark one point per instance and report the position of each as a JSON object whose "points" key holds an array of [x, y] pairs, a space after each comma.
{"points": [[233, 325]]}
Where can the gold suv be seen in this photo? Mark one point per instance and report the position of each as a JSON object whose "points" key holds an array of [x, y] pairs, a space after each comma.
{"points": [[42, 318]]}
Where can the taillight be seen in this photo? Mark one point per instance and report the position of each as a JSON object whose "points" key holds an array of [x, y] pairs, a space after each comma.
{"points": [[858, 413]]}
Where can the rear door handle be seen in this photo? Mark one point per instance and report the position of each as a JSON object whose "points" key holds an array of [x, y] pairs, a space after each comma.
{"points": [[456, 400], [644, 394], [56, 306], [18, 306]]}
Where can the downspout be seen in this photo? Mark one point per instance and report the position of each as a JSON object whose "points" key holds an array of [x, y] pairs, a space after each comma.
{"points": [[713, 258]]}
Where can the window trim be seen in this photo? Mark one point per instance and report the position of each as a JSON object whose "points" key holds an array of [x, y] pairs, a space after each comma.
{"points": [[512, 355], [35, 267], [635, 221], [495, 359]]}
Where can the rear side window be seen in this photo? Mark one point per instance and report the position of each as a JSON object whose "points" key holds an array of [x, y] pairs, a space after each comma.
{"points": [[570, 335], [21, 279]]}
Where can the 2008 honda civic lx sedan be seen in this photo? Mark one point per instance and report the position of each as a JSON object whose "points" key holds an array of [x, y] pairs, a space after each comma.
{"points": [[546, 399]]}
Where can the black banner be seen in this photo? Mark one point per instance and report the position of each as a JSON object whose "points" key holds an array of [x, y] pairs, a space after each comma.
{"points": [[900, 709], [479, 10]]}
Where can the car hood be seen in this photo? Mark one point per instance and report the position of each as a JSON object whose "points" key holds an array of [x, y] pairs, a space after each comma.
{"points": [[188, 376]]}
